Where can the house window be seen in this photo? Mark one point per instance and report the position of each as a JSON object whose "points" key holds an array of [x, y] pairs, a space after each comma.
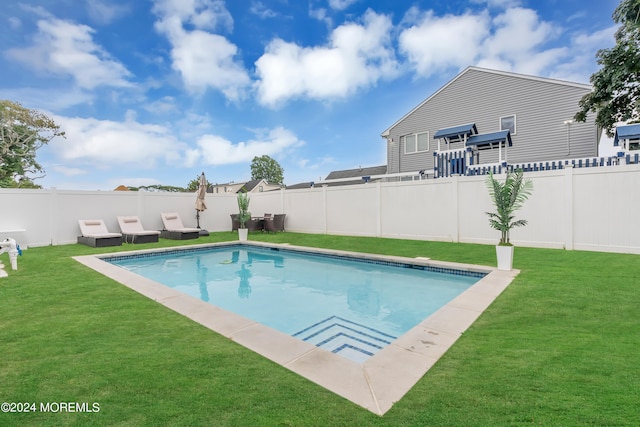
{"points": [[508, 123], [260, 189], [416, 142]]}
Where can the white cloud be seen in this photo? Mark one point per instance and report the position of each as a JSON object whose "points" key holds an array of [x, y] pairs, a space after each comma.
{"points": [[68, 49], [202, 14], [104, 13], [514, 40], [207, 60], [68, 171], [580, 64], [54, 99], [164, 105], [498, 4], [106, 144], [216, 150], [258, 8], [322, 16], [203, 59], [357, 56], [14, 23], [518, 39], [341, 4], [437, 43]]}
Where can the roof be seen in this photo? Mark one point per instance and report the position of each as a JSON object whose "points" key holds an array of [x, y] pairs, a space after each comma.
{"points": [[358, 173], [486, 70], [626, 132], [468, 129], [300, 185], [250, 185], [486, 140]]}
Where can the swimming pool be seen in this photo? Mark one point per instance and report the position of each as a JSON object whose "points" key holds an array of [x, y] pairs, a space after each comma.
{"points": [[377, 383], [349, 306]]}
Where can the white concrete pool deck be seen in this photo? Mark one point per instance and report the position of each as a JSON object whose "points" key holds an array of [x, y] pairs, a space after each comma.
{"points": [[377, 383]]}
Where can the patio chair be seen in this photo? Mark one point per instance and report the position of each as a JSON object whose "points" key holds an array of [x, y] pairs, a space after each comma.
{"points": [[235, 223], [255, 224], [175, 230], [95, 234], [133, 231], [276, 223]]}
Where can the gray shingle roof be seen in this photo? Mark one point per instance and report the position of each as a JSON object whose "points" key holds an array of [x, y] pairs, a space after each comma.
{"points": [[358, 173]]}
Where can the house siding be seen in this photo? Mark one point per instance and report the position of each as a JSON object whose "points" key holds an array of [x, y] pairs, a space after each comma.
{"points": [[541, 107]]}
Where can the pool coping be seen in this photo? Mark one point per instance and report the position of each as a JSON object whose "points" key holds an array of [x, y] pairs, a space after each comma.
{"points": [[376, 384]]}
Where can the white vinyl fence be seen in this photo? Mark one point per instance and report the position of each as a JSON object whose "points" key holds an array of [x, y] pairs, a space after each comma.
{"points": [[585, 209]]}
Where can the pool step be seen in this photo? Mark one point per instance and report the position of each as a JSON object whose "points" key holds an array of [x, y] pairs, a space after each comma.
{"points": [[346, 338]]}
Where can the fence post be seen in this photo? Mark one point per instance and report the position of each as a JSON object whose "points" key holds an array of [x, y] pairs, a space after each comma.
{"points": [[378, 209], [455, 182], [568, 207], [141, 204], [324, 209], [53, 216]]}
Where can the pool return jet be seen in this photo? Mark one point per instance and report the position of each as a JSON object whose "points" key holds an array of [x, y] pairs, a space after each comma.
{"points": [[9, 245]]}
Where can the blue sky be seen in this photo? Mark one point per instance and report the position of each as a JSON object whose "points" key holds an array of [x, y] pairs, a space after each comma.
{"points": [[157, 91]]}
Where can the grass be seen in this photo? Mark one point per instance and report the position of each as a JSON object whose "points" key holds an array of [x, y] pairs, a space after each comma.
{"points": [[560, 346]]}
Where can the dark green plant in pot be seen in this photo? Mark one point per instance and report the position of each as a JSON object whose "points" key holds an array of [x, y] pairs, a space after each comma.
{"points": [[243, 209], [508, 197]]}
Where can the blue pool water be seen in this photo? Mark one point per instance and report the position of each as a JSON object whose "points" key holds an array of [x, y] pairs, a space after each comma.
{"points": [[351, 307]]}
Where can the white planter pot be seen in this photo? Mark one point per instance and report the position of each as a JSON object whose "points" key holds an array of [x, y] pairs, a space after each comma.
{"points": [[242, 234], [505, 257]]}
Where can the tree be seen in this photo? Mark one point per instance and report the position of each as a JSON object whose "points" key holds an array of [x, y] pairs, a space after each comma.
{"points": [[264, 167], [159, 188], [22, 133], [616, 86], [194, 184]]}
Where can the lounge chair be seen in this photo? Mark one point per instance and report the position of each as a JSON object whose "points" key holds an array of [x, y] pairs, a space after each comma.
{"points": [[175, 230], [96, 235], [274, 223], [133, 231]]}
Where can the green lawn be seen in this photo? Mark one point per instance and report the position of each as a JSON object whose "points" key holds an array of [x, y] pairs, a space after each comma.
{"points": [[560, 347]]}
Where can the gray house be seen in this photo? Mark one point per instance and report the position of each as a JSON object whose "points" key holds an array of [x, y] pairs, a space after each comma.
{"points": [[488, 117]]}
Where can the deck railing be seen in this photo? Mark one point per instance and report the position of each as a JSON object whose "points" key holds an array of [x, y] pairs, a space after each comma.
{"points": [[460, 163]]}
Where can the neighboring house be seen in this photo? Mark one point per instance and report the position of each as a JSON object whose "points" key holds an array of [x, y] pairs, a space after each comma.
{"points": [[346, 177], [627, 138], [298, 186], [253, 186], [492, 117], [356, 176]]}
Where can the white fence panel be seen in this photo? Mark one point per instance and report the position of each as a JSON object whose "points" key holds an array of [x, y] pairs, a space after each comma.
{"points": [[418, 210], [573, 208], [28, 210], [352, 210], [605, 209], [306, 211]]}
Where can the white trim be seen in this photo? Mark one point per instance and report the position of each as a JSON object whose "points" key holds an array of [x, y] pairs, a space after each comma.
{"points": [[415, 134], [515, 123]]}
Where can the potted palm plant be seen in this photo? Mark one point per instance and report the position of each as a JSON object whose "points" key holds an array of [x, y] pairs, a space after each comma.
{"points": [[507, 197], [243, 215]]}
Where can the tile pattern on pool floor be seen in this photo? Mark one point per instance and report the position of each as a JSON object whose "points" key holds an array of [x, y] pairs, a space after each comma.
{"points": [[377, 383], [348, 339]]}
